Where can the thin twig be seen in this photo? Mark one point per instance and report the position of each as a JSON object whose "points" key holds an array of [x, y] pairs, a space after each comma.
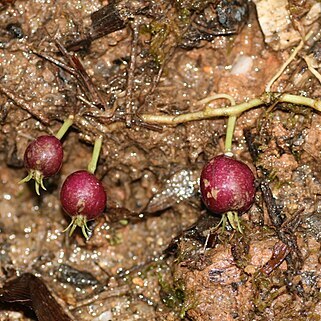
{"points": [[309, 62], [107, 294], [287, 62], [83, 76], [131, 76], [76, 69], [294, 257], [20, 102]]}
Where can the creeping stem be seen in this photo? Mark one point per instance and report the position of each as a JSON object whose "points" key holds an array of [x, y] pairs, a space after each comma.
{"points": [[203, 114], [299, 100], [93, 162], [207, 113]]}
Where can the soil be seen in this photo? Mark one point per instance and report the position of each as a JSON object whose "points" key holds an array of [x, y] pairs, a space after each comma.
{"points": [[154, 253]]}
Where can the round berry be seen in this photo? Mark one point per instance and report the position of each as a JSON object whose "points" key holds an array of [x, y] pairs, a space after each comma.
{"points": [[227, 185], [43, 158], [84, 198], [44, 154]]}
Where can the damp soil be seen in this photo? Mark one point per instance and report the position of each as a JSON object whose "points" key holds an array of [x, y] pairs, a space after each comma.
{"points": [[153, 254]]}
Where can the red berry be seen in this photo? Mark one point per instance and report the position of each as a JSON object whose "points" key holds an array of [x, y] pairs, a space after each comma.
{"points": [[43, 158], [227, 185], [44, 154], [83, 197]]}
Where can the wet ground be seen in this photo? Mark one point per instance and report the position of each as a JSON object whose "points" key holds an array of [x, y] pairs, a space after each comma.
{"points": [[146, 258]]}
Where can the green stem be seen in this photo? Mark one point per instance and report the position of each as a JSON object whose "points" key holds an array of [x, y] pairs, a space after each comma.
{"points": [[203, 114], [231, 121], [229, 133], [93, 163], [65, 126], [300, 100], [206, 113]]}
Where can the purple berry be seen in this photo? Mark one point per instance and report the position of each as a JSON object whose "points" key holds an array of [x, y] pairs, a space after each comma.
{"points": [[45, 155], [84, 198], [227, 185], [43, 158]]}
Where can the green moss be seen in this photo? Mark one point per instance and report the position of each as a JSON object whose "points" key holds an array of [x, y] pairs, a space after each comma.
{"points": [[166, 32], [176, 298], [267, 289], [115, 238], [192, 5], [159, 32]]}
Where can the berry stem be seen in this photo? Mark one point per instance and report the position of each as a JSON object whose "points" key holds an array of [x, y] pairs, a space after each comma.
{"points": [[231, 120], [229, 133], [93, 163], [65, 126]]}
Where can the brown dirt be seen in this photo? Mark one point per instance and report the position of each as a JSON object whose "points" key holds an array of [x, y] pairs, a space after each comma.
{"points": [[146, 255]]}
